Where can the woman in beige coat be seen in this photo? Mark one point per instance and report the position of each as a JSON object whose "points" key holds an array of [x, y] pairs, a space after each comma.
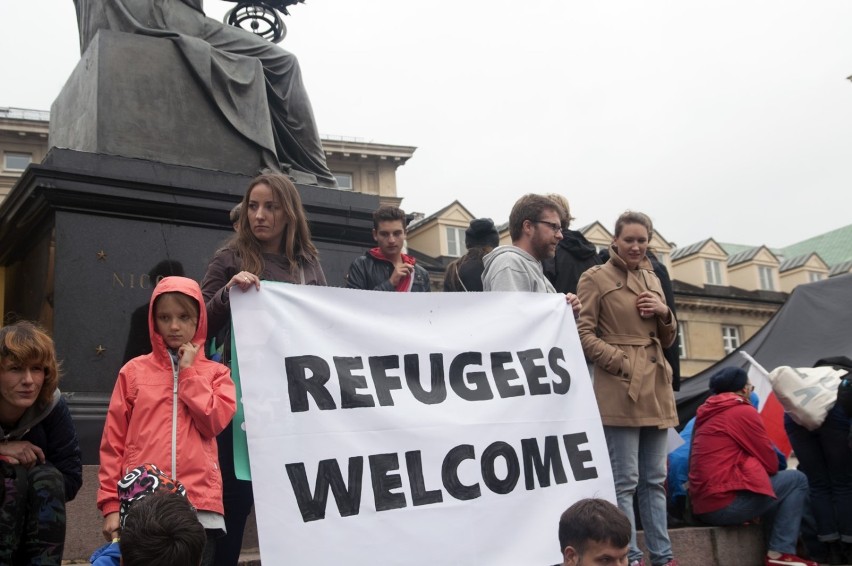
{"points": [[624, 326]]}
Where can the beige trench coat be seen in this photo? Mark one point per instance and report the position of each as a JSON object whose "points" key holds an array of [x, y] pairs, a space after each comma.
{"points": [[633, 380]]}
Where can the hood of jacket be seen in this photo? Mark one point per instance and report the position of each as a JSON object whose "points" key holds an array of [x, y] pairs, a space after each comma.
{"points": [[717, 404], [577, 245], [31, 417], [190, 288], [488, 258]]}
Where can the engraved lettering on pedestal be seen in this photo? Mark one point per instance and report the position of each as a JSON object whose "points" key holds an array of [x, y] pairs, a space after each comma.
{"points": [[133, 281]]}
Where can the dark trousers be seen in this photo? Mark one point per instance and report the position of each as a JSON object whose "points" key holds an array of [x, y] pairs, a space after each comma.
{"points": [[825, 458], [237, 497], [32, 515]]}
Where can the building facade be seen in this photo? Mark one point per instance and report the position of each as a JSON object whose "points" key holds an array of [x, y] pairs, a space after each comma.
{"points": [[724, 293], [23, 140], [358, 165]]}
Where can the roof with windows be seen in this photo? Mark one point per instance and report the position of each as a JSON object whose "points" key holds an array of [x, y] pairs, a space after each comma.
{"points": [[734, 249], [426, 219], [795, 262], [691, 249], [843, 267], [833, 247], [743, 256]]}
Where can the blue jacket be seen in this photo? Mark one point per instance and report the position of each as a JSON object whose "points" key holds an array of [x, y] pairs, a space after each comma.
{"points": [[107, 555]]}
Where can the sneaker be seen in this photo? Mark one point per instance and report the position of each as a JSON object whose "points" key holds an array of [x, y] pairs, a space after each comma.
{"points": [[789, 560], [640, 562], [835, 553]]}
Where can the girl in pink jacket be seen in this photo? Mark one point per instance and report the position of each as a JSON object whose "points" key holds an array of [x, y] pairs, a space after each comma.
{"points": [[167, 408]]}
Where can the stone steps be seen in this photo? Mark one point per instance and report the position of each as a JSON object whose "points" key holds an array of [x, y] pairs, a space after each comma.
{"points": [[716, 546], [693, 546]]}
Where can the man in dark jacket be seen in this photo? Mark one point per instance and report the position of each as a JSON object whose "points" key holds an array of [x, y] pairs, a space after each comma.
{"points": [[574, 253], [386, 267]]}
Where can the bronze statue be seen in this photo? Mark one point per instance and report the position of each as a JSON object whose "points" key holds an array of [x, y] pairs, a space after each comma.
{"points": [[249, 94]]}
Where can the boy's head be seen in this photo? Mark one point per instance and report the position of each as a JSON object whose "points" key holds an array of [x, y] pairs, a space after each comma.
{"points": [[592, 532], [176, 318], [389, 230], [162, 529]]}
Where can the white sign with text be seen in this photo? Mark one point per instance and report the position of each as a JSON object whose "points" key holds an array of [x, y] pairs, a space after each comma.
{"points": [[415, 428]]}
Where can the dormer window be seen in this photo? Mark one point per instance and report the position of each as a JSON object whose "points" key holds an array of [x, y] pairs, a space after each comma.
{"points": [[767, 282], [455, 242], [713, 272]]}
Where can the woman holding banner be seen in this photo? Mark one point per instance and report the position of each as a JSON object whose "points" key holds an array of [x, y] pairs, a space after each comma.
{"points": [[624, 326], [272, 243]]}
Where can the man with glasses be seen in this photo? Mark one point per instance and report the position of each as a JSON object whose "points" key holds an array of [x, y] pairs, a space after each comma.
{"points": [[535, 225]]}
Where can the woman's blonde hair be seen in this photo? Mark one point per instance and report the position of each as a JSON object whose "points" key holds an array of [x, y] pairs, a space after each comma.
{"points": [[566, 208], [296, 243], [25, 342]]}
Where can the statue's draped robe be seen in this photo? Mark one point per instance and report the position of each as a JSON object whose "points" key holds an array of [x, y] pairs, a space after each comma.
{"points": [[249, 78]]}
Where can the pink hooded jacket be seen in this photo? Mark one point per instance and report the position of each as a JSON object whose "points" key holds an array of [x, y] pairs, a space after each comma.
{"points": [[160, 416]]}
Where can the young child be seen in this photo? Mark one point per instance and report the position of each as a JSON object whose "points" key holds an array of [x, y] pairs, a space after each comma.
{"points": [[140, 483], [162, 529], [167, 407]]}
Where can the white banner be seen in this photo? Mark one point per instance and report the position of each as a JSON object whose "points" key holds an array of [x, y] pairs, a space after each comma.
{"points": [[415, 428]]}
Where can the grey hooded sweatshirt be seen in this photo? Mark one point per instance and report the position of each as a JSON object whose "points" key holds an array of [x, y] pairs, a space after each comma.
{"points": [[509, 268]]}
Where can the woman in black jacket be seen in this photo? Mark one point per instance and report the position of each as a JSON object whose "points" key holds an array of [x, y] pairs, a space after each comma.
{"points": [[465, 273], [39, 453]]}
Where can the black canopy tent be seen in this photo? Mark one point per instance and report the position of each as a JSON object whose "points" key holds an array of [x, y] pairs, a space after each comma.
{"points": [[814, 323]]}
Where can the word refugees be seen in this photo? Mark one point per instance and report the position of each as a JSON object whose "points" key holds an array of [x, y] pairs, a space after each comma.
{"points": [[470, 377]]}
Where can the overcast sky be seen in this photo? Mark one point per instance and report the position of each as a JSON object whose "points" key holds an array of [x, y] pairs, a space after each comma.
{"points": [[724, 119]]}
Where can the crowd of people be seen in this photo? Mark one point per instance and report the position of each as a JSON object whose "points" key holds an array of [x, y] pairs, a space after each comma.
{"points": [[167, 446]]}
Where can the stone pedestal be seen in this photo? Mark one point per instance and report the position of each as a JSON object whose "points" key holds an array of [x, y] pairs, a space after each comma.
{"points": [[83, 238], [134, 96]]}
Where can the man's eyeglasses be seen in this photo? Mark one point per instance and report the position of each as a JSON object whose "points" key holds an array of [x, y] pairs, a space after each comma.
{"points": [[553, 225]]}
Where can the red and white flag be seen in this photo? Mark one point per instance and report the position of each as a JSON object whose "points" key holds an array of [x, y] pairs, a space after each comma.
{"points": [[769, 406]]}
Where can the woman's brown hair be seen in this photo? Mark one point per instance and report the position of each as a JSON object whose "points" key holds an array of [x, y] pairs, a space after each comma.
{"points": [[296, 243], [25, 342], [633, 217]]}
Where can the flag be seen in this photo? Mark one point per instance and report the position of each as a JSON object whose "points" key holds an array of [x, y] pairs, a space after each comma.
{"points": [[770, 409]]}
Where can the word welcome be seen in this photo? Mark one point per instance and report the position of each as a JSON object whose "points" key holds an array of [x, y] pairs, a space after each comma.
{"points": [[538, 467]]}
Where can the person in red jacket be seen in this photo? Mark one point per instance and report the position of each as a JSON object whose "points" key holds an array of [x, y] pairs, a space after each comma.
{"points": [[733, 470], [167, 408]]}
